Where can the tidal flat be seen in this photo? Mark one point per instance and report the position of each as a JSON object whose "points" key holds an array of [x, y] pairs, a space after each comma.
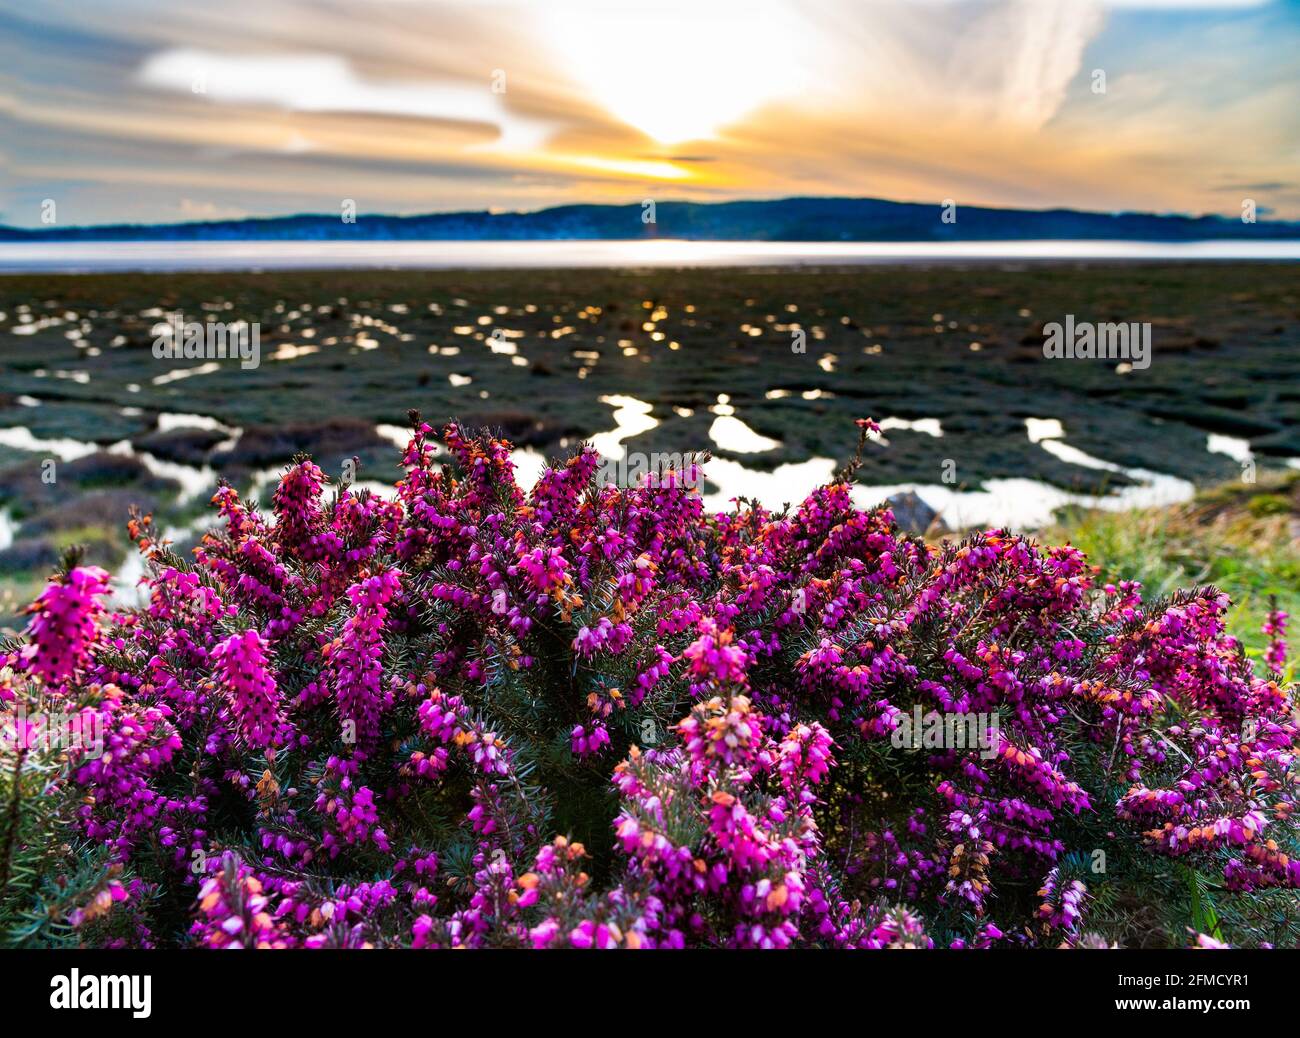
{"points": [[765, 368]]}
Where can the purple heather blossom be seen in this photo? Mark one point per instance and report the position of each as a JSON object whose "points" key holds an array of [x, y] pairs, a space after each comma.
{"points": [[504, 657], [249, 685], [62, 627]]}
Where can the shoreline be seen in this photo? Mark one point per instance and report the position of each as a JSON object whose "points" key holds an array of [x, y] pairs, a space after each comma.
{"points": [[663, 254]]}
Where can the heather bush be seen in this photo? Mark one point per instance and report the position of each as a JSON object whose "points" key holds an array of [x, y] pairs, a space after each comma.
{"points": [[593, 716]]}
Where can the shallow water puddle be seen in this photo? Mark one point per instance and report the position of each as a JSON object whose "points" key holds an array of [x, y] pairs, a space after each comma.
{"points": [[21, 438], [1014, 503], [731, 434], [1154, 489], [631, 418]]}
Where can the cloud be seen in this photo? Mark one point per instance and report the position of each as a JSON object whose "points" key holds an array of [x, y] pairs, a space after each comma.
{"points": [[327, 83], [1025, 54], [1003, 64], [1268, 185], [1186, 5]]}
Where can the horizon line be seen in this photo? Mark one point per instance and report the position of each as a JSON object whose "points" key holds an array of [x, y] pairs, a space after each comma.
{"points": [[495, 213]]}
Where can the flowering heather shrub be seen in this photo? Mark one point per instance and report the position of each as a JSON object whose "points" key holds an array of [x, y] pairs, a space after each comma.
{"points": [[1275, 630], [591, 716]]}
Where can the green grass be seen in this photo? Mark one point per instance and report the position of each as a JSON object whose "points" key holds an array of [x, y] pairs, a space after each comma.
{"points": [[1223, 538]]}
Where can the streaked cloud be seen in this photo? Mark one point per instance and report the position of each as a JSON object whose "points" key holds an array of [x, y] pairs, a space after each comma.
{"points": [[327, 83]]}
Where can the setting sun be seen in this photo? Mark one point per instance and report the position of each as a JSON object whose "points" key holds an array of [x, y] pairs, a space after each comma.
{"points": [[687, 72]]}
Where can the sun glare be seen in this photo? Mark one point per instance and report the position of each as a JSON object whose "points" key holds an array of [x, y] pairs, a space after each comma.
{"points": [[632, 167], [684, 74]]}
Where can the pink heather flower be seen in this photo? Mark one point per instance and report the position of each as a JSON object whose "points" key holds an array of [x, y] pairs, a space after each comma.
{"points": [[62, 628], [357, 660], [1062, 908], [805, 757], [233, 910], [588, 744], [487, 751], [249, 686], [296, 503], [138, 744], [442, 716], [714, 657], [900, 929], [350, 808], [721, 732], [423, 933], [589, 639], [545, 568], [1275, 630], [605, 635]]}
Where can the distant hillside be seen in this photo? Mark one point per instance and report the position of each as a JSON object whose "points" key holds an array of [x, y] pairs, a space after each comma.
{"points": [[791, 219]]}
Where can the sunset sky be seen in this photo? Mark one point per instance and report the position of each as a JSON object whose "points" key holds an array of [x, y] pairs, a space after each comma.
{"points": [[166, 110]]}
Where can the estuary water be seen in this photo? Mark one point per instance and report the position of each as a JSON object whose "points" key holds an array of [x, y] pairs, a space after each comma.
{"points": [[105, 257]]}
